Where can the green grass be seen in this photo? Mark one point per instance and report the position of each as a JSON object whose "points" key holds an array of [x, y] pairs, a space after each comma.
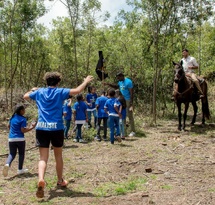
{"points": [[211, 190], [166, 187], [121, 188]]}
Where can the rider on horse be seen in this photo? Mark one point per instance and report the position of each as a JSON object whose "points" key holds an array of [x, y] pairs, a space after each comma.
{"points": [[189, 64]]}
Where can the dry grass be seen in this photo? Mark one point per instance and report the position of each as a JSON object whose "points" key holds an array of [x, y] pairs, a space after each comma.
{"points": [[180, 168], [182, 165]]}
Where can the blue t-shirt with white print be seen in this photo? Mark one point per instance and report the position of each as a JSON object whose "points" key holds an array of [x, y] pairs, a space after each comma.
{"points": [[80, 108], [49, 102], [91, 98], [16, 123], [110, 106], [100, 102]]}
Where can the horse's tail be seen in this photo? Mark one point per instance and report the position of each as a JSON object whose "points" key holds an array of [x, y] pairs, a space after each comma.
{"points": [[205, 107]]}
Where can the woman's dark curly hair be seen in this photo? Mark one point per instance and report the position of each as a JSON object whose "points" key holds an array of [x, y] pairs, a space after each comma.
{"points": [[52, 78]]}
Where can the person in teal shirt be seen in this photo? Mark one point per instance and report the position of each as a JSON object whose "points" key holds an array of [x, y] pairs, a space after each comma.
{"points": [[125, 85]]}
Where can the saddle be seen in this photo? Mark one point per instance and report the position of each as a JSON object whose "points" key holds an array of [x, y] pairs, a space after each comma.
{"points": [[200, 79]]}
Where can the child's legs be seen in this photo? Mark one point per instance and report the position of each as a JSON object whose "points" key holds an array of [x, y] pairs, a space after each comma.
{"points": [[67, 127], [108, 122], [99, 126], [12, 154], [89, 116], [21, 150], [95, 117], [122, 128], [116, 123], [111, 124], [105, 119], [78, 132]]}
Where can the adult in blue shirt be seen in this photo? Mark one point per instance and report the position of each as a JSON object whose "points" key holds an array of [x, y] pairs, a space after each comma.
{"points": [[125, 85], [50, 127], [67, 113], [102, 116]]}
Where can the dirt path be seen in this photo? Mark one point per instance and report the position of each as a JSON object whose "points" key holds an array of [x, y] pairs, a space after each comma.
{"points": [[164, 167]]}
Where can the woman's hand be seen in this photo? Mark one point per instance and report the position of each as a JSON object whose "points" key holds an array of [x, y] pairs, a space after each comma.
{"points": [[88, 79]]}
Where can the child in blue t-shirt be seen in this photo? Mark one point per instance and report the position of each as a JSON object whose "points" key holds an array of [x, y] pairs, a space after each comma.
{"points": [[80, 116], [91, 107], [67, 113], [101, 116], [112, 107], [122, 120], [17, 126]]}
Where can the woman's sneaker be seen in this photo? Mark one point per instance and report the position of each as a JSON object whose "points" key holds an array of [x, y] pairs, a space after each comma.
{"points": [[22, 171], [5, 170], [62, 183], [40, 189]]}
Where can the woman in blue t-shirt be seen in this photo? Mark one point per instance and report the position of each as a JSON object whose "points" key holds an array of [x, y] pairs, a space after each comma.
{"points": [[80, 116], [50, 127], [17, 126]]}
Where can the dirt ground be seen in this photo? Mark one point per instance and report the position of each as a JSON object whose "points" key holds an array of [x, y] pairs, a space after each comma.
{"points": [[159, 166]]}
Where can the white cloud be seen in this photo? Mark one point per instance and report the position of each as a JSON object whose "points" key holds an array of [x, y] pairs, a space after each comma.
{"points": [[56, 8]]}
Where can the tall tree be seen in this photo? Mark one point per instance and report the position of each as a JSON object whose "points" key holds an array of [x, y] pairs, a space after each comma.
{"points": [[17, 19]]}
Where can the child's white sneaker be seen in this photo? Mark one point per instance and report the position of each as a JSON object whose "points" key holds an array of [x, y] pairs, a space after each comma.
{"points": [[22, 171], [81, 141], [5, 170], [132, 134]]}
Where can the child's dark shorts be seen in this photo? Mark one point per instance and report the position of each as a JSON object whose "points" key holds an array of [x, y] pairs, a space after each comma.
{"points": [[44, 138]]}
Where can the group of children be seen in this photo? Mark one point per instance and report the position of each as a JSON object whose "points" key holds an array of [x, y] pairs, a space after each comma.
{"points": [[109, 109]]}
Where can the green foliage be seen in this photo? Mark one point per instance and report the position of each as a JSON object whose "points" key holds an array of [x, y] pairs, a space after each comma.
{"points": [[142, 42]]}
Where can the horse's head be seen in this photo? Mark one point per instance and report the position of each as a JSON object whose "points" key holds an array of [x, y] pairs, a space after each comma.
{"points": [[179, 72]]}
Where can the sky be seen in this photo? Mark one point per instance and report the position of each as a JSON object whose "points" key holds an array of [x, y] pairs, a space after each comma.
{"points": [[56, 8]]}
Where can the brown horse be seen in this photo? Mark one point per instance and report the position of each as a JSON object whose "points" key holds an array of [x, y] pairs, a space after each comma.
{"points": [[186, 93]]}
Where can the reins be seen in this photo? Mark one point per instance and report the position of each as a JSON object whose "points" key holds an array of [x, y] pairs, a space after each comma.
{"points": [[191, 86], [184, 91]]}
